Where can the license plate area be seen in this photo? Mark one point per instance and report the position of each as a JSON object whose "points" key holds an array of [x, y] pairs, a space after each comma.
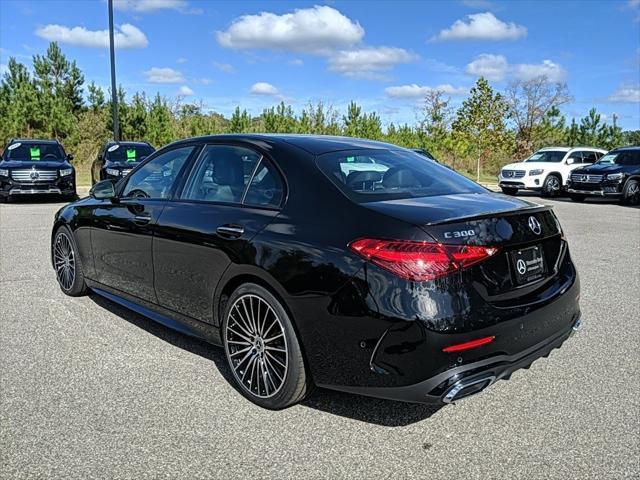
{"points": [[528, 264]]}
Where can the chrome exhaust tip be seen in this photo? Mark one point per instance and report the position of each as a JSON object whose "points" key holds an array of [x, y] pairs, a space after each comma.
{"points": [[466, 388]]}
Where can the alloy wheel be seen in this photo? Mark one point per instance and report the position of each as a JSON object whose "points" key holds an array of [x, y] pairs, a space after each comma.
{"points": [[65, 261], [553, 185], [256, 346]]}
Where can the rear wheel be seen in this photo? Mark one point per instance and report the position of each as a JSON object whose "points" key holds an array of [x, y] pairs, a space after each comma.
{"points": [[67, 263], [631, 192], [552, 186], [263, 350], [509, 191], [576, 197]]}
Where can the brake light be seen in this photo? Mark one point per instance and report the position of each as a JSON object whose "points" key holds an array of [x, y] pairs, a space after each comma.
{"points": [[420, 261], [468, 345]]}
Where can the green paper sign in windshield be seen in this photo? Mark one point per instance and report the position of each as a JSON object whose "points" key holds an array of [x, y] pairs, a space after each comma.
{"points": [[131, 155], [351, 159], [35, 153]]}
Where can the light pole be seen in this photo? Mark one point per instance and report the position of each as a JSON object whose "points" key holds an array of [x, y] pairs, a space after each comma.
{"points": [[114, 93]]}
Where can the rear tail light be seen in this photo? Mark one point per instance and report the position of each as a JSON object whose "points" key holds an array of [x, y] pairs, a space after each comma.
{"points": [[420, 261]]}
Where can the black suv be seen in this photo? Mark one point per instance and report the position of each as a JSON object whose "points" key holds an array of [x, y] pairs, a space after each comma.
{"points": [[617, 175], [116, 159], [30, 166]]}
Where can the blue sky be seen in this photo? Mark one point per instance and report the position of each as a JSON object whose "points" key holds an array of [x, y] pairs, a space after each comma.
{"points": [[384, 55]]}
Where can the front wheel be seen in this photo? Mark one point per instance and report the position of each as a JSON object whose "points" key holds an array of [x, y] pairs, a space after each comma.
{"points": [[551, 186], [262, 349], [67, 263], [509, 191], [631, 193]]}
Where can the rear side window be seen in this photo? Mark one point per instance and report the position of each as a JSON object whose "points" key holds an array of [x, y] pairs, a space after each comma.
{"points": [[266, 188], [371, 175]]}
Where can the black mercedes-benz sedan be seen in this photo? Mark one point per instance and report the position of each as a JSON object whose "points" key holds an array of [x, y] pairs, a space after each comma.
{"points": [[616, 175], [397, 278], [116, 159], [36, 167]]}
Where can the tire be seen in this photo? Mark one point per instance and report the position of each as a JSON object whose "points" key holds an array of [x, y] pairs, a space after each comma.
{"points": [[576, 197], [283, 379], [509, 191], [631, 192], [552, 186], [68, 266]]}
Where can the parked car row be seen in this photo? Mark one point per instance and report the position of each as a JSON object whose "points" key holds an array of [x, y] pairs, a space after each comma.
{"points": [[39, 167], [581, 172]]}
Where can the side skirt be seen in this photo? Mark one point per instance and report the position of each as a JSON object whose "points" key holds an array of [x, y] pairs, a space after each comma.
{"points": [[180, 323]]}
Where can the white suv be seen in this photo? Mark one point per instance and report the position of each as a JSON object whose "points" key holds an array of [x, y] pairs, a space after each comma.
{"points": [[547, 170]]}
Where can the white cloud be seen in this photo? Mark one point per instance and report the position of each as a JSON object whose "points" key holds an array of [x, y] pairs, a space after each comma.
{"points": [[263, 88], [296, 62], [417, 91], [492, 67], [225, 67], [527, 71], [481, 26], [314, 30], [125, 36], [163, 75], [185, 91], [368, 62], [144, 6], [181, 60], [626, 94], [496, 68]]}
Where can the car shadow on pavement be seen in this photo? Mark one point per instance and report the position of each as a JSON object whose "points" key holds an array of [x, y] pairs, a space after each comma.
{"points": [[365, 409], [35, 199]]}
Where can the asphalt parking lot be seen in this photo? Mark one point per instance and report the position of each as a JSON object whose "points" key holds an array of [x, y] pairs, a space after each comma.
{"points": [[91, 390]]}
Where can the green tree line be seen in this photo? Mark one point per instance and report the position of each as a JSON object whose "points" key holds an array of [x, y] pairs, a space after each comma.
{"points": [[486, 131]]}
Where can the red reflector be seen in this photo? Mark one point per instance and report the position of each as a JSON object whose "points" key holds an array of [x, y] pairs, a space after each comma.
{"points": [[468, 345], [420, 261]]}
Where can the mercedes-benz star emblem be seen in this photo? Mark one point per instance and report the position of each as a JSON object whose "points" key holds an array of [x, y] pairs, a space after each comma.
{"points": [[583, 178], [34, 175], [534, 225], [521, 266]]}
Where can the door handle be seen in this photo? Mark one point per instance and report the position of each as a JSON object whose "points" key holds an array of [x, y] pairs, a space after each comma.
{"points": [[230, 231], [142, 219]]}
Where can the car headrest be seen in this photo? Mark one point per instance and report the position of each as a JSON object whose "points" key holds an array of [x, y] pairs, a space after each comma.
{"points": [[357, 178], [227, 169], [399, 177]]}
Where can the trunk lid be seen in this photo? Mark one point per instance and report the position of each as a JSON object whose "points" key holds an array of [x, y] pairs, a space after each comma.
{"points": [[528, 235]]}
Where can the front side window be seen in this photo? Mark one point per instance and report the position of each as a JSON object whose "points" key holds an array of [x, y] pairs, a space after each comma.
{"points": [[34, 152], [554, 156], [156, 178], [372, 175], [221, 174]]}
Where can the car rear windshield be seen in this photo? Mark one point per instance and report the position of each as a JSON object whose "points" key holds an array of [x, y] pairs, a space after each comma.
{"points": [[554, 156], [372, 175], [128, 153], [622, 157], [33, 152]]}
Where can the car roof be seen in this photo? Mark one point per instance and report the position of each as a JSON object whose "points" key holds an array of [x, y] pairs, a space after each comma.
{"points": [[34, 140], [568, 149], [127, 142], [314, 144], [628, 147]]}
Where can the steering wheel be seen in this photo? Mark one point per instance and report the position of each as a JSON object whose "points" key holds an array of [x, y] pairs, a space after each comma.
{"points": [[49, 155]]}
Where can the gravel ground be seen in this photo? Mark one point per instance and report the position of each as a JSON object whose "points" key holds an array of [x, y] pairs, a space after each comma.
{"points": [[91, 390]]}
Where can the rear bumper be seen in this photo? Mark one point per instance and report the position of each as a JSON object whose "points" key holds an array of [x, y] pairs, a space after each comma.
{"points": [[468, 379]]}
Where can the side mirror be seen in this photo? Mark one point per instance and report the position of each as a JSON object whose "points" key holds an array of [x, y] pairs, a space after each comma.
{"points": [[570, 161], [69, 156], [103, 190]]}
